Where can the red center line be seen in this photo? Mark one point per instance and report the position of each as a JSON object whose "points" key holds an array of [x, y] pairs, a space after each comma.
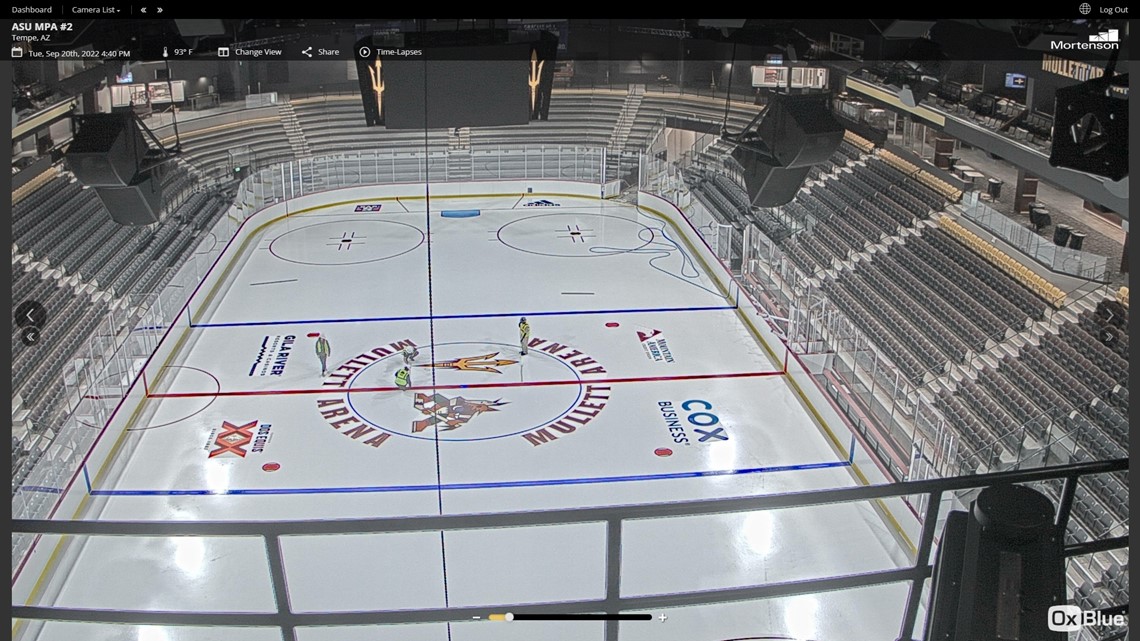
{"points": [[600, 381]]}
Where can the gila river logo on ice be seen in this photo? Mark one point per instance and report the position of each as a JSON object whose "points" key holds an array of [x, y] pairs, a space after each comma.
{"points": [[272, 355]]}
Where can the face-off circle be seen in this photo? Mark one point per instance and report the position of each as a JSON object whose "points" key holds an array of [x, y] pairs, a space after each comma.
{"points": [[571, 235], [453, 412], [173, 411], [346, 242]]}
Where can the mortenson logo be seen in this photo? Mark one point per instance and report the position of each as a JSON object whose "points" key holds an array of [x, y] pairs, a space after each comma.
{"points": [[1104, 40], [1084, 46]]}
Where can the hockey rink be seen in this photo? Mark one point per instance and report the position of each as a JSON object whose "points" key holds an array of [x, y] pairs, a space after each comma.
{"points": [[642, 383]]}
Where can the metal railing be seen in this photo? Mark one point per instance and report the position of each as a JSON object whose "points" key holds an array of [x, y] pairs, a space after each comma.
{"points": [[287, 619], [507, 162], [1064, 260]]}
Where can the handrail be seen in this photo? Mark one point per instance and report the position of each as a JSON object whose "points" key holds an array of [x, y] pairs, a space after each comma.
{"points": [[614, 518]]}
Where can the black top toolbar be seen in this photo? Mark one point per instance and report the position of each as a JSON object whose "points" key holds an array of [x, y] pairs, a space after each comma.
{"points": [[161, 31], [86, 10], [349, 11]]}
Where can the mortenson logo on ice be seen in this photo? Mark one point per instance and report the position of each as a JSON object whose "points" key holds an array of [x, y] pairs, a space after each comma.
{"points": [[542, 203]]}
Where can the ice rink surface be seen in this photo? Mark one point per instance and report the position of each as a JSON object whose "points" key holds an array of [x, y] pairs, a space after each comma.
{"points": [[641, 385]]}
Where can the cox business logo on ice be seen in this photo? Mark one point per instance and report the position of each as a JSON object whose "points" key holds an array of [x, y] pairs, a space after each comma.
{"points": [[1070, 618]]}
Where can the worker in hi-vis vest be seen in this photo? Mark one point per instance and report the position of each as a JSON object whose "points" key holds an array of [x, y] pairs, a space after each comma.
{"points": [[403, 378], [524, 334], [323, 351]]}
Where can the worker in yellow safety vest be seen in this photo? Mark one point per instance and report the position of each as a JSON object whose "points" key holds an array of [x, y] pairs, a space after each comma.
{"points": [[524, 334], [323, 351]]}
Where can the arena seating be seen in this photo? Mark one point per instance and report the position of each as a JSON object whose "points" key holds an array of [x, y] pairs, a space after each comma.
{"points": [[1031, 280], [78, 262]]}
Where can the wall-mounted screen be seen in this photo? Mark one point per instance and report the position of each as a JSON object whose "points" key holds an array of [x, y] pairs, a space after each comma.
{"points": [[1015, 81]]}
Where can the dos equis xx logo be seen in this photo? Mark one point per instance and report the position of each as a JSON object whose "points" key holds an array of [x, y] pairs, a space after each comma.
{"points": [[233, 439]]}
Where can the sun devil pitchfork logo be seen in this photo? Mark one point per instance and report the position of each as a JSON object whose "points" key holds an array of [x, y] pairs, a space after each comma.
{"points": [[484, 363], [232, 439], [452, 412]]}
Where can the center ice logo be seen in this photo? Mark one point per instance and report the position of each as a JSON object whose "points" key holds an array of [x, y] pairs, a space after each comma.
{"points": [[452, 412], [560, 391]]}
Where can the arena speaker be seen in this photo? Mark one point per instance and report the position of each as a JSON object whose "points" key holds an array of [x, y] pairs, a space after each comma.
{"points": [[139, 203], [1090, 127], [1000, 568], [769, 186], [777, 149], [799, 130], [107, 151]]}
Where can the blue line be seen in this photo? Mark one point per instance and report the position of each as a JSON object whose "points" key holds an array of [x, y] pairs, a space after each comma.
{"points": [[41, 488], [86, 478], [851, 452], [474, 486], [646, 310]]}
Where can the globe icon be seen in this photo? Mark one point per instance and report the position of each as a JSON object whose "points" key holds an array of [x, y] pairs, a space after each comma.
{"points": [[1085, 8]]}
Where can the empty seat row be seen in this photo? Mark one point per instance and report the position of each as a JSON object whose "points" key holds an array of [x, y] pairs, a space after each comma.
{"points": [[892, 202], [1069, 386], [1035, 388], [1114, 423], [890, 346], [1091, 513], [925, 351], [932, 325], [1023, 410], [1099, 383], [973, 337], [859, 142], [904, 260], [1030, 305], [974, 434], [1018, 273], [953, 261], [1007, 429]]}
